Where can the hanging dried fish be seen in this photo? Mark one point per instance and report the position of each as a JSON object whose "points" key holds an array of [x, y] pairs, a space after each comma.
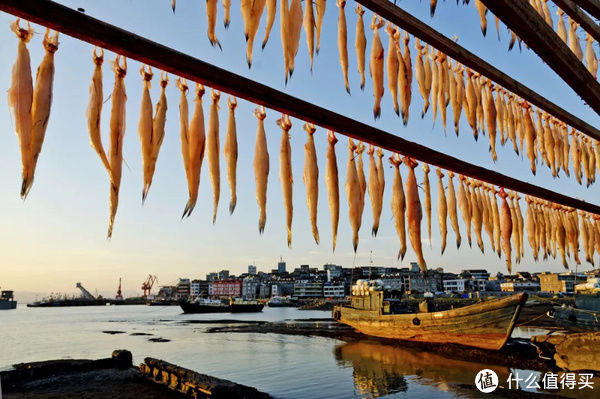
{"points": [[294, 26], [226, 12], [94, 110], [392, 65], [146, 122], [261, 167], [476, 212], [343, 42], [427, 189], [309, 28], [432, 6], [311, 178], [332, 183], [158, 134], [353, 194], [399, 205], [251, 12], [320, 7], [271, 11], [42, 102], [117, 132], [373, 186], [360, 171], [184, 133], [574, 43], [211, 16], [452, 209], [376, 65], [406, 98], [285, 173], [506, 228], [230, 149], [212, 150], [360, 44], [381, 178], [465, 208], [561, 29], [196, 147], [414, 213], [442, 210], [20, 97], [482, 10]]}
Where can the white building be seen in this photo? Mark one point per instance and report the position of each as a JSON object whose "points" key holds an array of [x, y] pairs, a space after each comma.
{"points": [[456, 285], [306, 289], [250, 287], [513, 286], [195, 288], [334, 291]]}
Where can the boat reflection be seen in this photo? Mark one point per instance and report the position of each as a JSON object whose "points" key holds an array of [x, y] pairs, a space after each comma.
{"points": [[381, 370]]}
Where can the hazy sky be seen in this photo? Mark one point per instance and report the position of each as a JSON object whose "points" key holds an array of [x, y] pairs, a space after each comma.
{"points": [[58, 235]]}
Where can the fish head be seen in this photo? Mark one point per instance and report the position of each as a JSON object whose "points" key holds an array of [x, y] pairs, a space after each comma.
{"points": [[439, 172], [309, 128], [425, 168], [410, 162], [359, 10], [380, 153], [341, 3]]}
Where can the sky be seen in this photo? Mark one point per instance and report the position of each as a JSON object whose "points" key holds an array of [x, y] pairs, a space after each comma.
{"points": [[57, 236]]}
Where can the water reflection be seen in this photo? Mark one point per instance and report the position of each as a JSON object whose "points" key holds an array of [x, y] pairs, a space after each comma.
{"points": [[381, 370]]}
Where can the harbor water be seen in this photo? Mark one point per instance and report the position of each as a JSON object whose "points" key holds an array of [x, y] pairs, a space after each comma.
{"points": [[286, 366]]}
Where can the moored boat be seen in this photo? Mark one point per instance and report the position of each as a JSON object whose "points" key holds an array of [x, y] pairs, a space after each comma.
{"points": [[486, 325], [281, 302], [205, 305], [584, 316], [7, 300]]}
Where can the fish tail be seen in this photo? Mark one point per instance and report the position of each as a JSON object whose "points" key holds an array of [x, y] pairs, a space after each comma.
{"points": [[232, 205], [289, 238], [189, 207]]}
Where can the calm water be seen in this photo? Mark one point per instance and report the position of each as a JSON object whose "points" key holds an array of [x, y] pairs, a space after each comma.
{"points": [[284, 366]]}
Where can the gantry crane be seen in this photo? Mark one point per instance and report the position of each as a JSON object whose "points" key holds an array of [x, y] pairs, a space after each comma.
{"points": [[147, 285], [119, 296]]}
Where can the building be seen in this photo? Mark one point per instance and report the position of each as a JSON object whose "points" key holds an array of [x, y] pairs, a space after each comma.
{"points": [[212, 276], [520, 285], [392, 283], [560, 282], [166, 292], [223, 274], [307, 289], [282, 287], [250, 287], [183, 289], [199, 288], [477, 284], [227, 287], [334, 290], [417, 282], [252, 270], [333, 271], [456, 285], [281, 267], [475, 274]]}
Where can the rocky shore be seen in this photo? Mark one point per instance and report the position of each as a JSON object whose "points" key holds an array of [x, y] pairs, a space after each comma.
{"points": [[116, 377]]}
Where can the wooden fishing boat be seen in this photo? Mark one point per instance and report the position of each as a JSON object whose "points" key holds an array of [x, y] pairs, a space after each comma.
{"points": [[485, 325]]}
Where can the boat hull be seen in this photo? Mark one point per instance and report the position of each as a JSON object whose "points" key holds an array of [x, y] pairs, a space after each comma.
{"points": [[8, 305], [485, 325], [191, 307], [577, 319]]}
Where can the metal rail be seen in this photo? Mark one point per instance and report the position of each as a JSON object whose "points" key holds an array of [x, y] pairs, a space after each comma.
{"points": [[91, 30]]}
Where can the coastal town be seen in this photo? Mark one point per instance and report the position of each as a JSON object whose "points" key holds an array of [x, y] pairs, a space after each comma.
{"points": [[335, 282]]}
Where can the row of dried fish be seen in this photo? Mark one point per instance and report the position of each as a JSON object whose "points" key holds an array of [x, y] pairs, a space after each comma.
{"points": [[569, 36]]}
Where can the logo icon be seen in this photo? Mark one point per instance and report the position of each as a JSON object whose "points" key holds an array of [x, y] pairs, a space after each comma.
{"points": [[486, 381]]}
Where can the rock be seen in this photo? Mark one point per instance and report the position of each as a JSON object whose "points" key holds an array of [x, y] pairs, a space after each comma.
{"points": [[123, 358]]}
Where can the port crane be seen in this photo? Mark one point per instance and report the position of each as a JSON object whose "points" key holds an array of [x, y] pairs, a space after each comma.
{"points": [[147, 285], [119, 296], [85, 294]]}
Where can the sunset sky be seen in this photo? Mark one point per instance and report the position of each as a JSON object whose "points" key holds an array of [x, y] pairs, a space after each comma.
{"points": [[57, 237]]}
